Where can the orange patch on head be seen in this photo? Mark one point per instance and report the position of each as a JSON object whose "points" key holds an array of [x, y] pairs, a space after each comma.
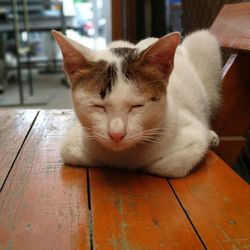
{"points": [[150, 70], [96, 79], [149, 80]]}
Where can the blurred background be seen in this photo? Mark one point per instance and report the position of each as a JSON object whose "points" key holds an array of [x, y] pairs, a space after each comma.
{"points": [[31, 72]]}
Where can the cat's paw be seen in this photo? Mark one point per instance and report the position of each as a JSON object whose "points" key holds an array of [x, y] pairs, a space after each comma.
{"points": [[214, 139]]}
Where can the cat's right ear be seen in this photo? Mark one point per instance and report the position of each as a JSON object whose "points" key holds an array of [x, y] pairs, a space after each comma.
{"points": [[161, 53], [75, 55]]}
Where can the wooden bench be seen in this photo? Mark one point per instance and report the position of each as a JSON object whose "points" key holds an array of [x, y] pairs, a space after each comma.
{"points": [[47, 205], [232, 28]]}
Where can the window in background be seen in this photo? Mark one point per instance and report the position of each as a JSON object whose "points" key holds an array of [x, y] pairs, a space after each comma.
{"points": [[174, 15], [30, 61], [92, 18]]}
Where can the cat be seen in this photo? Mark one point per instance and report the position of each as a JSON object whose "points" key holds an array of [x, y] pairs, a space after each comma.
{"points": [[144, 106]]}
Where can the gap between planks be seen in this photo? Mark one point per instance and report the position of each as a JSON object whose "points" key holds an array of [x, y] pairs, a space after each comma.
{"points": [[90, 214], [94, 244], [187, 215], [19, 150]]}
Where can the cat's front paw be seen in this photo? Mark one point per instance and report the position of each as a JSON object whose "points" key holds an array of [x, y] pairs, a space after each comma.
{"points": [[214, 139]]}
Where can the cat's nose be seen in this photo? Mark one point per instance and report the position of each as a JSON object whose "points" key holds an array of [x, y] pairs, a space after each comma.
{"points": [[116, 129], [116, 136]]}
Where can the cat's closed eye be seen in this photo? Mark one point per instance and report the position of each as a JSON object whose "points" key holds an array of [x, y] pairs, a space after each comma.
{"points": [[99, 107], [136, 107]]}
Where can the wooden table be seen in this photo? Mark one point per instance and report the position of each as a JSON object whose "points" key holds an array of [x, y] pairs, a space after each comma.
{"points": [[47, 205]]}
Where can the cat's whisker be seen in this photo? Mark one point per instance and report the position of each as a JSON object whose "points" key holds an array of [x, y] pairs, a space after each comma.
{"points": [[156, 133], [143, 137], [153, 135], [146, 137], [149, 139], [92, 138], [102, 137], [96, 136], [145, 143], [88, 129], [152, 129]]}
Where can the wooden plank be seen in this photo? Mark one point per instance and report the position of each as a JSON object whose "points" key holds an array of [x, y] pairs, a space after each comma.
{"points": [[137, 211], [234, 118], [14, 126], [218, 203], [231, 26], [43, 204]]}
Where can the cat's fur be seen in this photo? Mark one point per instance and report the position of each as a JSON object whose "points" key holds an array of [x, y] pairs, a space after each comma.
{"points": [[158, 96]]}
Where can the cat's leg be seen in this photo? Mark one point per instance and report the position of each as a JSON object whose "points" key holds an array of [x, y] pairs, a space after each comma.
{"points": [[214, 139], [72, 149], [188, 150]]}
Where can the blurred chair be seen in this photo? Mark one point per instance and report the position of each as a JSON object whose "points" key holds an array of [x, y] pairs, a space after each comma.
{"points": [[199, 14], [231, 27]]}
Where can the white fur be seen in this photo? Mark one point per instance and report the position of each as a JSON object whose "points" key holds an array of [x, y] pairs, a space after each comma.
{"points": [[183, 115]]}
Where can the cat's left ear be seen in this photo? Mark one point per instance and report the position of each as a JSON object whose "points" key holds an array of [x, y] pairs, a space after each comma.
{"points": [[161, 53], [75, 55]]}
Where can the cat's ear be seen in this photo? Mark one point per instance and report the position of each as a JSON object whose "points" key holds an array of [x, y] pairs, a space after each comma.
{"points": [[161, 53], [75, 55]]}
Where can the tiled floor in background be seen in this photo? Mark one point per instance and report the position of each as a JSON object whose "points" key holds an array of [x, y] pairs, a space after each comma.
{"points": [[49, 92]]}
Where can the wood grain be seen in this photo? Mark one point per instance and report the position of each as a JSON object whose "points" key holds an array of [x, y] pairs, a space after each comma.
{"points": [[137, 211], [43, 204], [218, 203], [231, 26], [14, 126]]}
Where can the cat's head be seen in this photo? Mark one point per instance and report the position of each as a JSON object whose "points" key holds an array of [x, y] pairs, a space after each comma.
{"points": [[119, 94]]}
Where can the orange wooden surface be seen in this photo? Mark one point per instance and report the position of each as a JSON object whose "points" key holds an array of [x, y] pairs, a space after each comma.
{"points": [[137, 211], [14, 126], [234, 117], [43, 204], [218, 203], [232, 26]]}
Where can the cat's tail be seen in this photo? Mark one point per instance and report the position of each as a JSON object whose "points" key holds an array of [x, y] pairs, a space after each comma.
{"points": [[204, 53]]}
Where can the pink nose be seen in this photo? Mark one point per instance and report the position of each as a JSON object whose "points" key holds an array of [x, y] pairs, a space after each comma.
{"points": [[116, 137]]}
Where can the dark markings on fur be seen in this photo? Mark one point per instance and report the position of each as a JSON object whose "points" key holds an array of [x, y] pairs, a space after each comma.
{"points": [[128, 62], [100, 77], [97, 77], [109, 78], [121, 52], [148, 78]]}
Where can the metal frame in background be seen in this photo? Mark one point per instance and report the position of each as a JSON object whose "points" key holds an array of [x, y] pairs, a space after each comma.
{"points": [[16, 29]]}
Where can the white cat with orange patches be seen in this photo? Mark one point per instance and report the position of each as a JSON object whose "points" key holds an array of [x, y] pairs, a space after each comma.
{"points": [[146, 106]]}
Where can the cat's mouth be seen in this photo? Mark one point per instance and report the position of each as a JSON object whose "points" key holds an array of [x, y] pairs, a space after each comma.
{"points": [[118, 146], [124, 144], [146, 138]]}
